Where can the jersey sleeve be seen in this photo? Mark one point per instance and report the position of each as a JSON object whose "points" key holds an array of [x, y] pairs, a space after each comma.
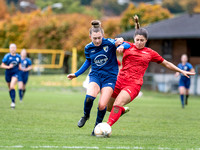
{"points": [[29, 62], [83, 68], [112, 41], [87, 54], [179, 66], [5, 59], [155, 57], [190, 66], [125, 45]]}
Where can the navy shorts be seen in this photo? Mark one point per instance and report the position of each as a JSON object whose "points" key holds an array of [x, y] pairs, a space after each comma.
{"points": [[9, 75], [23, 77], [184, 82], [103, 80]]}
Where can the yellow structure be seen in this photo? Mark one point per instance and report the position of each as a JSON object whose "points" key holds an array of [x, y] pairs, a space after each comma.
{"points": [[54, 53], [74, 65]]}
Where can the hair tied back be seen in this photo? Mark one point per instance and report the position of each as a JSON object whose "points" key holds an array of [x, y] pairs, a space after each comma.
{"points": [[96, 24], [137, 24]]}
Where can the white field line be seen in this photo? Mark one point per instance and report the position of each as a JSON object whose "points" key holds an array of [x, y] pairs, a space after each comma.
{"points": [[96, 147]]}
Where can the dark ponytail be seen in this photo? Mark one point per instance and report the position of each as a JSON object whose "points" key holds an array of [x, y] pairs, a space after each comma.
{"points": [[96, 27], [138, 30]]}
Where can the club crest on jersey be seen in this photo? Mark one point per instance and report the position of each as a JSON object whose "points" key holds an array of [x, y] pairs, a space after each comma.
{"points": [[100, 60], [185, 68], [17, 59], [105, 48]]}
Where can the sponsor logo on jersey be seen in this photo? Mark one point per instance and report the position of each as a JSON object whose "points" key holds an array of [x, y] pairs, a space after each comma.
{"points": [[14, 63], [93, 51], [105, 48], [100, 60], [144, 52]]}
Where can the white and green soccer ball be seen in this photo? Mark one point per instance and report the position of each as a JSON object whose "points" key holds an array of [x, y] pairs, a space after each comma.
{"points": [[102, 130]]}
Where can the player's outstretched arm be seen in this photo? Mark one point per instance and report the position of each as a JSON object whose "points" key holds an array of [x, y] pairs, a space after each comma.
{"points": [[172, 67], [83, 68], [3, 65]]}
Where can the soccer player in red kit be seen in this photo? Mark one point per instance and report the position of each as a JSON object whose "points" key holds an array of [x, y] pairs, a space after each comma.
{"points": [[130, 78]]}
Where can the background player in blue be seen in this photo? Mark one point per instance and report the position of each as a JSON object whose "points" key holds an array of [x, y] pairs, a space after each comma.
{"points": [[11, 62], [101, 55], [184, 82], [26, 66]]}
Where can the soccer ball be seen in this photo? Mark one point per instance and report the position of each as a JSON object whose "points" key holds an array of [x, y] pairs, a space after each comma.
{"points": [[103, 130]]}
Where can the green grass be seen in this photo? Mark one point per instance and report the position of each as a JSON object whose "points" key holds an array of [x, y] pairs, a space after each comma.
{"points": [[49, 114]]}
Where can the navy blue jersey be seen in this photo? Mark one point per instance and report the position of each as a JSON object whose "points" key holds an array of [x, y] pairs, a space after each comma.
{"points": [[15, 60], [103, 58], [25, 63], [186, 67]]}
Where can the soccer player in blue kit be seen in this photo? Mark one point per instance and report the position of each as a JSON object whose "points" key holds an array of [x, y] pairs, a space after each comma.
{"points": [[184, 82], [11, 62], [101, 55], [26, 66]]}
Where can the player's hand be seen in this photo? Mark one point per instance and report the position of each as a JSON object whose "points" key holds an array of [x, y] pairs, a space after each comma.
{"points": [[71, 76], [10, 66], [187, 73], [120, 49], [119, 41]]}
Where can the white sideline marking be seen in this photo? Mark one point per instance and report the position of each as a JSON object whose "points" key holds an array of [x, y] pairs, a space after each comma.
{"points": [[96, 147], [15, 146], [80, 147]]}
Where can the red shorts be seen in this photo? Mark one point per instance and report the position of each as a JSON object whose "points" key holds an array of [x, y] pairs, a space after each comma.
{"points": [[132, 89]]}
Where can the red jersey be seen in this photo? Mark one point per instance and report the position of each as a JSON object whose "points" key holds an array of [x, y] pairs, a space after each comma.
{"points": [[135, 62]]}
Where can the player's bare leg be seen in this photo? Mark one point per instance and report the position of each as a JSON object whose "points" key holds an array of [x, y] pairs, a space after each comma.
{"points": [[186, 96], [106, 93], [182, 93]]}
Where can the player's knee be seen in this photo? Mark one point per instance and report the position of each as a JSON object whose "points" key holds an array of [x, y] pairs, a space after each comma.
{"points": [[102, 106]]}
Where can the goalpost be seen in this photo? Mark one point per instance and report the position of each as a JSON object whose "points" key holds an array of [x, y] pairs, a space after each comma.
{"points": [[43, 58]]}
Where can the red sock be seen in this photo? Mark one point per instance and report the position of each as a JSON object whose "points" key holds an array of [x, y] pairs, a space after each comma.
{"points": [[115, 114]]}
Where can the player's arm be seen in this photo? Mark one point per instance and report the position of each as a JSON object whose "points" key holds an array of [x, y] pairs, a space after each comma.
{"points": [[29, 66], [20, 67], [118, 41], [172, 67], [177, 73], [83, 68], [3, 65], [123, 46]]}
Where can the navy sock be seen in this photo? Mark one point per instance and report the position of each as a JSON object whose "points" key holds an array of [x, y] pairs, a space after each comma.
{"points": [[182, 100], [20, 94], [100, 116], [12, 95], [88, 103], [186, 99]]}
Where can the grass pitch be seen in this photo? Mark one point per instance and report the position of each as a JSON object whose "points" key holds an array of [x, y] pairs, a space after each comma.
{"points": [[48, 116]]}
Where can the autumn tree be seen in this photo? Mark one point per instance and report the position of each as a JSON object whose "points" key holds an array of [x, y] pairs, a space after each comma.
{"points": [[3, 10], [147, 13], [180, 6]]}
